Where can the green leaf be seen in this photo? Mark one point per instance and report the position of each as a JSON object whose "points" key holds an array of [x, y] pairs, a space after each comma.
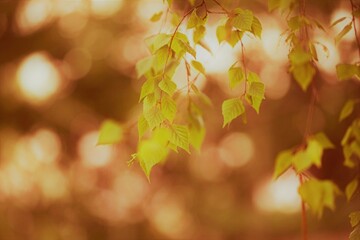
{"points": [[256, 89], [343, 32], [319, 194], [147, 88], [199, 34], [221, 34], [150, 153], [195, 20], [198, 66], [143, 66], [337, 21], [167, 86], [253, 77], [168, 108], [354, 218], [282, 163], [110, 132], [303, 75], [143, 126], [236, 76], [312, 155], [156, 42], [347, 109], [347, 71], [234, 38], [154, 117], [351, 188], [231, 109], [156, 17], [299, 57], [323, 140], [196, 137], [256, 27], [180, 136], [243, 19], [294, 23]]}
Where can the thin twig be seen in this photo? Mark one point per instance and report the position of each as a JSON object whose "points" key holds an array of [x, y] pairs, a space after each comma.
{"points": [[303, 213], [221, 6], [243, 59]]}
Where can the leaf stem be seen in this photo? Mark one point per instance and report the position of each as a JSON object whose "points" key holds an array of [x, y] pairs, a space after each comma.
{"points": [[244, 65], [354, 24]]}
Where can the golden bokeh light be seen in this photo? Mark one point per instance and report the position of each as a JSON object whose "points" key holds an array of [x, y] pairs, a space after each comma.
{"points": [[105, 8], [277, 81], [340, 13], [278, 196], [92, 155], [274, 44], [33, 15], [38, 78], [328, 56], [236, 149]]}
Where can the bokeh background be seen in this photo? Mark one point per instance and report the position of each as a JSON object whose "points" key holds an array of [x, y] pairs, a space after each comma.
{"points": [[67, 65]]}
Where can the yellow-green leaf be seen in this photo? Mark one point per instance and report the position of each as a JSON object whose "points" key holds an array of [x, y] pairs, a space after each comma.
{"points": [[143, 66], [167, 86], [256, 89], [221, 33], [231, 109], [198, 66], [243, 19], [156, 17], [110, 132], [256, 27], [147, 88], [156, 42], [319, 194], [236, 76], [351, 188], [282, 163], [154, 117], [303, 75], [196, 137], [168, 108], [180, 136], [323, 140], [354, 218], [312, 155], [143, 126], [199, 34]]}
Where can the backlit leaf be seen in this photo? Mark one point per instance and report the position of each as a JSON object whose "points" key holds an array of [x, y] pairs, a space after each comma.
{"points": [[236, 76], [282, 163], [147, 88], [199, 34], [243, 19], [319, 194], [168, 108], [323, 140], [156, 17], [142, 126], [303, 75], [154, 117], [110, 132], [256, 27], [347, 71], [198, 66], [167, 86], [231, 109], [221, 33], [180, 136]]}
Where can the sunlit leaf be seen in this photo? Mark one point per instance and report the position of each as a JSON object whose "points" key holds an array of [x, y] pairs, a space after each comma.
{"points": [[196, 137], [154, 117], [256, 27], [231, 109], [236, 76], [323, 140], [199, 34], [221, 33], [147, 88], [110, 132], [319, 194], [143, 66], [198, 66], [282, 163], [167, 86], [168, 108], [303, 75], [156, 42], [143, 126], [180, 136], [243, 19], [156, 17]]}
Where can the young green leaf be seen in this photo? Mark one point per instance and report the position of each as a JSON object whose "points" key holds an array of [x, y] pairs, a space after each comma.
{"points": [[147, 88], [144, 66], [312, 155], [110, 132], [351, 188], [319, 194], [154, 117], [221, 33], [303, 75], [196, 137], [198, 66], [231, 109], [156, 17], [199, 34], [243, 19], [143, 126], [256, 27], [323, 140], [168, 108], [256, 89], [180, 136], [282, 163], [167, 86], [156, 42], [236, 76]]}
